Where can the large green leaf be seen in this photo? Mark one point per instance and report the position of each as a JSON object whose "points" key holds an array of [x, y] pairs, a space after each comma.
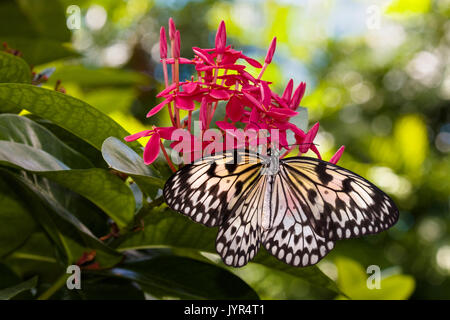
{"points": [[37, 256], [95, 77], [178, 277], [8, 293], [36, 28], [16, 222], [164, 227], [38, 50], [49, 203], [98, 185], [122, 158], [13, 69], [68, 112], [353, 279], [23, 130], [47, 17]]}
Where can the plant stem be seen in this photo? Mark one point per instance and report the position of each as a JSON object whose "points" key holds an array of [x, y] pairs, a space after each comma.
{"points": [[54, 288], [262, 71], [172, 167]]}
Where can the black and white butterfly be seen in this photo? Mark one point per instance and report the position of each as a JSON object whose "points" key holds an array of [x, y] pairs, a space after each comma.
{"points": [[296, 211]]}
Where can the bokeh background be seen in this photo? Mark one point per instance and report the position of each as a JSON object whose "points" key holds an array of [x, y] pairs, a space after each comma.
{"points": [[378, 81]]}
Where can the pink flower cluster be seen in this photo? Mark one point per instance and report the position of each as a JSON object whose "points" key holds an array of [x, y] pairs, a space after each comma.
{"points": [[248, 101]]}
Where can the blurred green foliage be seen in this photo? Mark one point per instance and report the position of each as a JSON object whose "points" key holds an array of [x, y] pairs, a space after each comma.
{"points": [[378, 80]]}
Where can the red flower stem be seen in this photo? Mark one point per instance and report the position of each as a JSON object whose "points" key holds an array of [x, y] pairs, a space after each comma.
{"points": [[166, 82], [262, 71], [177, 81], [172, 167], [285, 154], [189, 121], [217, 102], [166, 75]]}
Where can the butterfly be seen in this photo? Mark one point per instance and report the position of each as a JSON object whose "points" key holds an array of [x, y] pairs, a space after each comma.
{"points": [[296, 208]]}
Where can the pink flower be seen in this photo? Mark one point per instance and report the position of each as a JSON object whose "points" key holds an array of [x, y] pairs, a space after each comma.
{"points": [[335, 158], [222, 81], [152, 147]]}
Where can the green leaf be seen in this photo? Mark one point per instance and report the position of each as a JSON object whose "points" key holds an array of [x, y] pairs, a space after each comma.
{"points": [[178, 277], [122, 158], [8, 293], [50, 205], [36, 28], [163, 228], [68, 112], [13, 69], [352, 279], [47, 17], [95, 287], [94, 155], [36, 50], [98, 185], [16, 222], [96, 77], [23, 130]]}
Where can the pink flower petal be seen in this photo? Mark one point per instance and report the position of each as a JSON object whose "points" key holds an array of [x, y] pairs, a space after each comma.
{"points": [[271, 51], [316, 151], [176, 45], [221, 38], [162, 43], [204, 55], [287, 94], [203, 116], [172, 29], [219, 94], [308, 141], [158, 107], [151, 149], [165, 132], [251, 61], [253, 101], [225, 126], [184, 103], [234, 109], [138, 135], [180, 61], [167, 90], [236, 67], [334, 159], [298, 95], [254, 116], [189, 87], [281, 113], [266, 94]]}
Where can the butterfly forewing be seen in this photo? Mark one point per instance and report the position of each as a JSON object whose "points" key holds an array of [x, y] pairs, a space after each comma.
{"points": [[207, 190], [341, 204]]}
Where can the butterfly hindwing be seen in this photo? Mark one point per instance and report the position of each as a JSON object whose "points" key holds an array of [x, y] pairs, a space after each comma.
{"points": [[340, 204], [239, 237], [290, 237]]}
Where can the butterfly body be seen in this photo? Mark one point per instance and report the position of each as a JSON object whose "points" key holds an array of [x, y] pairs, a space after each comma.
{"points": [[296, 207]]}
